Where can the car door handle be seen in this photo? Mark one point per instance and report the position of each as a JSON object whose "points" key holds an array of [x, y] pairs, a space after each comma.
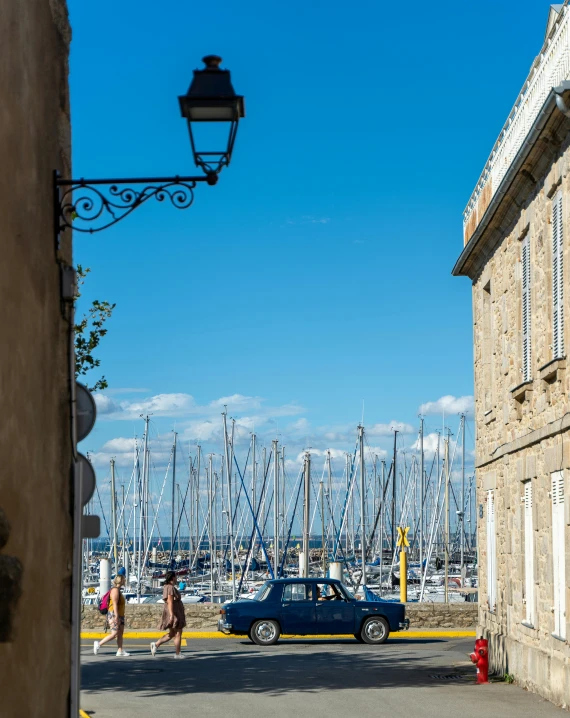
{"points": [[286, 604]]}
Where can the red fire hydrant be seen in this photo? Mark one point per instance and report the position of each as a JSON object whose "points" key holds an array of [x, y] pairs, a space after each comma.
{"points": [[480, 658]]}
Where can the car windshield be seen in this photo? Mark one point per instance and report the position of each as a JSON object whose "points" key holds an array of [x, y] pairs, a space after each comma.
{"points": [[263, 592]]}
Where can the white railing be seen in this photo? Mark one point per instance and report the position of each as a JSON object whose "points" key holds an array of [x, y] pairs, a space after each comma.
{"points": [[551, 67]]}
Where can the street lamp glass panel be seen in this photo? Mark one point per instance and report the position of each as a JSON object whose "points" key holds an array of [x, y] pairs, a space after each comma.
{"points": [[211, 99]]}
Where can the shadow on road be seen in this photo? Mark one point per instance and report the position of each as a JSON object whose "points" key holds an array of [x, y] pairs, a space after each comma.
{"points": [[252, 670]]}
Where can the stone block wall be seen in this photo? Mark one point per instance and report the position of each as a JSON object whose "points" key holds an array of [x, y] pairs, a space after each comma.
{"points": [[204, 616], [523, 429]]}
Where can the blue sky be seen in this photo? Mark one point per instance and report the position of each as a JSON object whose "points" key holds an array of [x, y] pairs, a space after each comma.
{"points": [[317, 274]]}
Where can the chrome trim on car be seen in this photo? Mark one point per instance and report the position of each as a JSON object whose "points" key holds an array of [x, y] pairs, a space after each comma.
{"points": [[224, 627]]}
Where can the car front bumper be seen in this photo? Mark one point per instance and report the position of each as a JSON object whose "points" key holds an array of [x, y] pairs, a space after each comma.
{"points": [[224, 627], [404, 625]]}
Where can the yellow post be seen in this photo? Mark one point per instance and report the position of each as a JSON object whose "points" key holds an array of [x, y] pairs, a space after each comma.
{"points": [[403, 576], [403, 543]]}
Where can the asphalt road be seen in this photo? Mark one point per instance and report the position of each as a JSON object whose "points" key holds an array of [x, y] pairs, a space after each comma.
{"points": [[232, 678]]}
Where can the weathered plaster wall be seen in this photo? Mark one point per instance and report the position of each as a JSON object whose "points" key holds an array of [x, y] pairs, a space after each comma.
{"points": [[35, 444], [205, 616]]}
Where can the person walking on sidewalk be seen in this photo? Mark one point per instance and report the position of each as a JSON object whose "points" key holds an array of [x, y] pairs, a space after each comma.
{"points": [[115, 616], [173, 618]]}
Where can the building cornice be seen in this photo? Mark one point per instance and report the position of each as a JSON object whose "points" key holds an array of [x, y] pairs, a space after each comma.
{"points": [[536, 152]]}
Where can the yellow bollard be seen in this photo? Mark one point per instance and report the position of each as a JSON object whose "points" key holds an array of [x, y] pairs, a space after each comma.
{"points": [[403, 576], [403, 543]]}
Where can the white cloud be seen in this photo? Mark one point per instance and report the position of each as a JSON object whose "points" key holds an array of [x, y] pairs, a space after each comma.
{"points": [[388, 429], [448, 404], [309, 219], [431, 442], [105, 405], [181, 405], [119, 445]]}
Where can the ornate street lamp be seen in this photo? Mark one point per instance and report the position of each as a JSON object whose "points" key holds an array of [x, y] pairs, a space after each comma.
{"points": [[211, 98], [91, 205]]}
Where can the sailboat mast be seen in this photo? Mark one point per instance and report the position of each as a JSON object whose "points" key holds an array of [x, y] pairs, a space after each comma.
{"points": [[394, 472], [422, 490], [362, 505], [446, 509], [172, 529], [197, 501], [322, 503], [253, 480], [210, 522], [114, 515], [230, 510], [306, 513], [275, 509], [142, 510], [462, 513]]}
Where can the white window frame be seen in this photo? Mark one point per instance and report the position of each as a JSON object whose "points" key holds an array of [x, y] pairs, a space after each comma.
{"points": [[526, 310], [491, 552], [528, 555], [557, 277], [558, 554]]}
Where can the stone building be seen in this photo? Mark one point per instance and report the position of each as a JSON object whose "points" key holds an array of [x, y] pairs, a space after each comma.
{"points": [[36, 375], [517, 254]]}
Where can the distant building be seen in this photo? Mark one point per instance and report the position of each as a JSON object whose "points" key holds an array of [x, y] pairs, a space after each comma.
{"points": [[517, 254], [36, 368]]}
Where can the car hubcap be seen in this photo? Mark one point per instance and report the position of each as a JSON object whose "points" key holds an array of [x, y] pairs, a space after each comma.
{"points": [[266, 631], [375, 630]]}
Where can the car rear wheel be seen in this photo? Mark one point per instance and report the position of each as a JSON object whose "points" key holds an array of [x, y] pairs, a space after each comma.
{"points": [[375, 630], [265, 632]]}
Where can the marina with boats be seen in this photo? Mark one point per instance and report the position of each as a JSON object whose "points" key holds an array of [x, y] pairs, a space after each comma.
{"points": [[224, 532]]}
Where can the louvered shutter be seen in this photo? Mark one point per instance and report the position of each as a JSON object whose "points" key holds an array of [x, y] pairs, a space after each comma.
{"points": [[491, 552], [528, 553], [526, 310], [558, 554], [557, 278]]}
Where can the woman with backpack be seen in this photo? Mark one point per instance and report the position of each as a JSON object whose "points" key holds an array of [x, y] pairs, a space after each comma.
{"points": [[173, 617], [115, 616]]}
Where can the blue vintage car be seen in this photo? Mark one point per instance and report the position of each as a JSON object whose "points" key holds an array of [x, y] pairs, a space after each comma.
{"points": [[312, 606]]}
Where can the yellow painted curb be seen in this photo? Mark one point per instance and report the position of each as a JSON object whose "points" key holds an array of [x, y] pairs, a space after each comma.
{"points": [[216, 634], [83, 714]]}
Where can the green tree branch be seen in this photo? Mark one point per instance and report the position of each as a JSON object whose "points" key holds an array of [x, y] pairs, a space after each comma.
{"points": [[89, 332]]}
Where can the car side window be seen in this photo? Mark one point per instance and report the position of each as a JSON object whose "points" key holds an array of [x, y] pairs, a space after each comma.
{"points": [[297, 592]]}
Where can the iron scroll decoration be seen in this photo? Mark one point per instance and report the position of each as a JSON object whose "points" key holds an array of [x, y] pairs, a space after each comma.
{"points": [[94, 205]]}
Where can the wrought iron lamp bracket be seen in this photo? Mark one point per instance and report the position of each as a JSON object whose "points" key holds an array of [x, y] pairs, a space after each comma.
{"points": [[91, 205]]}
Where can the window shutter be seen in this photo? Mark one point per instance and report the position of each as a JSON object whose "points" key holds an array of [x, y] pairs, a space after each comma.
{"points": [[526, 310], [491, 552], [557, 278], [528, 553], [558, 554]]}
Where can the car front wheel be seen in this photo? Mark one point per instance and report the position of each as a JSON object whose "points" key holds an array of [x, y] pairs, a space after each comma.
{"points": [[265, 633], [375, 630]]}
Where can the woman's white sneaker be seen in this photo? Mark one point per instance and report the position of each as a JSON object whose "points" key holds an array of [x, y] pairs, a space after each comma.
{"points": [[96, 647], [153, 649], [121, 653], [179, 655]]}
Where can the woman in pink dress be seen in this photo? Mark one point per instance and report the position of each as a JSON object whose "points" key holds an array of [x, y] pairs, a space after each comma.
{"points": [[173, 618]]}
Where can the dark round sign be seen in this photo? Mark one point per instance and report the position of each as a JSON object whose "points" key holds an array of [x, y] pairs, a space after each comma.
{"points": [[85, 411], [86, 476]]}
